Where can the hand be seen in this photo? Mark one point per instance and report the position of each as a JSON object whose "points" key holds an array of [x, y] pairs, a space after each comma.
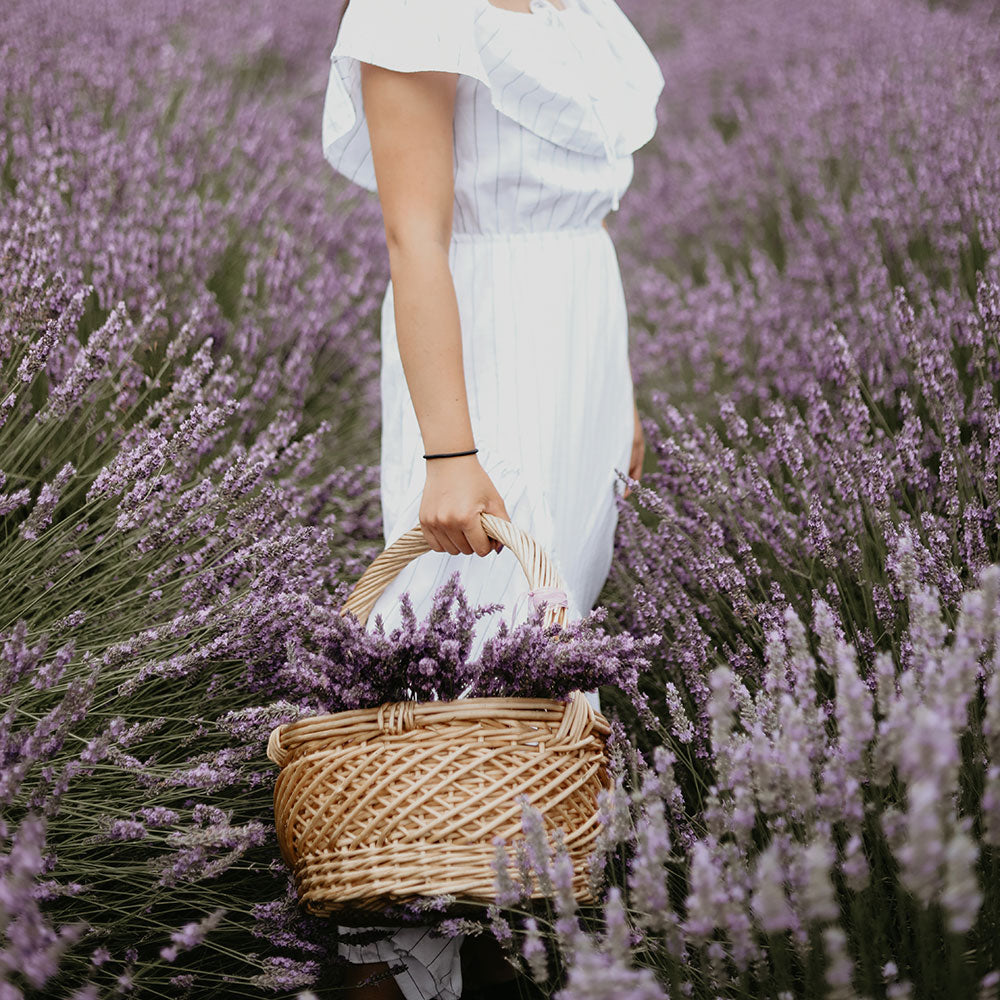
{"points": [[456, 491], [638, 450]]}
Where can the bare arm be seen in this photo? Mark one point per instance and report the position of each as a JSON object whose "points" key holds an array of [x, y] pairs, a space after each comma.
{"points": [[411, 135], [410, 125]]}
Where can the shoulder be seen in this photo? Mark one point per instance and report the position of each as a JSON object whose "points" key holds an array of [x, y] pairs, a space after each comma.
{"points": [[404, 35]]}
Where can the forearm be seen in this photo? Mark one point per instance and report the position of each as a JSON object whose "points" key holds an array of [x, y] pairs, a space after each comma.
{"points": [[429, 335]]}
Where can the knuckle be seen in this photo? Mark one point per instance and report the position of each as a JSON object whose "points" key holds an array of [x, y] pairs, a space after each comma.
{"points": [[459, 521]]}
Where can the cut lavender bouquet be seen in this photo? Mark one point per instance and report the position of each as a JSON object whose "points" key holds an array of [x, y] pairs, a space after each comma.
{"points": [[402, 800], [335, 663]]}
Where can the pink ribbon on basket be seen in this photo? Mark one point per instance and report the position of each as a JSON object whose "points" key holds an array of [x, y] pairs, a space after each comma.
{"points": [[541, 597]]}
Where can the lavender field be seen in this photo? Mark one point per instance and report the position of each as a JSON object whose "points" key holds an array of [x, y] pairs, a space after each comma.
{"points": [[798, 642]]}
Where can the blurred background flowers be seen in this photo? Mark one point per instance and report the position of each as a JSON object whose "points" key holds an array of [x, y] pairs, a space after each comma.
{"points": [[798, 636]]}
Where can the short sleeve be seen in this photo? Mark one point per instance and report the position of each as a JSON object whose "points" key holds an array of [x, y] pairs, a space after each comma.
{"points": [[404, 35]]}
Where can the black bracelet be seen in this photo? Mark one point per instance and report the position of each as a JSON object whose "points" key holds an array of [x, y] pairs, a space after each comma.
{"points": [[453, 454]]}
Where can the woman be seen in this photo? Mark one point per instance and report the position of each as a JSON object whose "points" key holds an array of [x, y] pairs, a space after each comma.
{"points": [[497, 136]]}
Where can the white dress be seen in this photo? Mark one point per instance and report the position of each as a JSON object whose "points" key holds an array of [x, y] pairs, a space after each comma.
{"points": [[549, 109]]}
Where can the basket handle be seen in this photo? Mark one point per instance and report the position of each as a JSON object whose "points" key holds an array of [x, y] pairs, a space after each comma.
{"points": [[537, 566]]}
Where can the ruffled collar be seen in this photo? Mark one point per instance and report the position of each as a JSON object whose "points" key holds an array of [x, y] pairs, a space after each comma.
{"points": [[582, 77]]}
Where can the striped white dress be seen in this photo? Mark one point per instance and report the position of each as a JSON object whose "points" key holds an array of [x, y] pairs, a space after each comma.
{"points": [[550, 106]]}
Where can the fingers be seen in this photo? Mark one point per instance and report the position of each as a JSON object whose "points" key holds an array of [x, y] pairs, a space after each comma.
{"points": [[635, 465], [480, 541], [470, 536], [461, 541], [455, 538], [465, 539], [455, 541], [638, 449], [437, 543], [638, 454]]}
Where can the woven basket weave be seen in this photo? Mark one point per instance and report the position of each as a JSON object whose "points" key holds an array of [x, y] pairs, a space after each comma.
{"points": [[380, 806]]}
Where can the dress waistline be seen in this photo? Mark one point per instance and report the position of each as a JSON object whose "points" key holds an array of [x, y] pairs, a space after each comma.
{"points": [[463, 237]]}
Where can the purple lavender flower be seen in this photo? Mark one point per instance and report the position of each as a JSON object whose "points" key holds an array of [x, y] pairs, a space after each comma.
{"points": [[188, 417], [191, 934]]}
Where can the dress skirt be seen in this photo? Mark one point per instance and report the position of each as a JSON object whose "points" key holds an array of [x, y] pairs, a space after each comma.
{"points": [[545, 353]]}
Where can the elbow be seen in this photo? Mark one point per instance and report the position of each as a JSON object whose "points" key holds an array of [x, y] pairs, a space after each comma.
{"points": [[417, 238]]}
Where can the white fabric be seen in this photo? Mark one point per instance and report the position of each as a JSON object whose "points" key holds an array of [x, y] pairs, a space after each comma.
{"points": [[581, 79], [549, 108]]}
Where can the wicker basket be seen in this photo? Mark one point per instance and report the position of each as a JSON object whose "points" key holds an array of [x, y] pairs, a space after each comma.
{"points": [[379, 806]]}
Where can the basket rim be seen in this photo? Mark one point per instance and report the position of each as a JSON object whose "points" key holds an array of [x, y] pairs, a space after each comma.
{"points": [[538, 706], [519, 709], [394, 718]]}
